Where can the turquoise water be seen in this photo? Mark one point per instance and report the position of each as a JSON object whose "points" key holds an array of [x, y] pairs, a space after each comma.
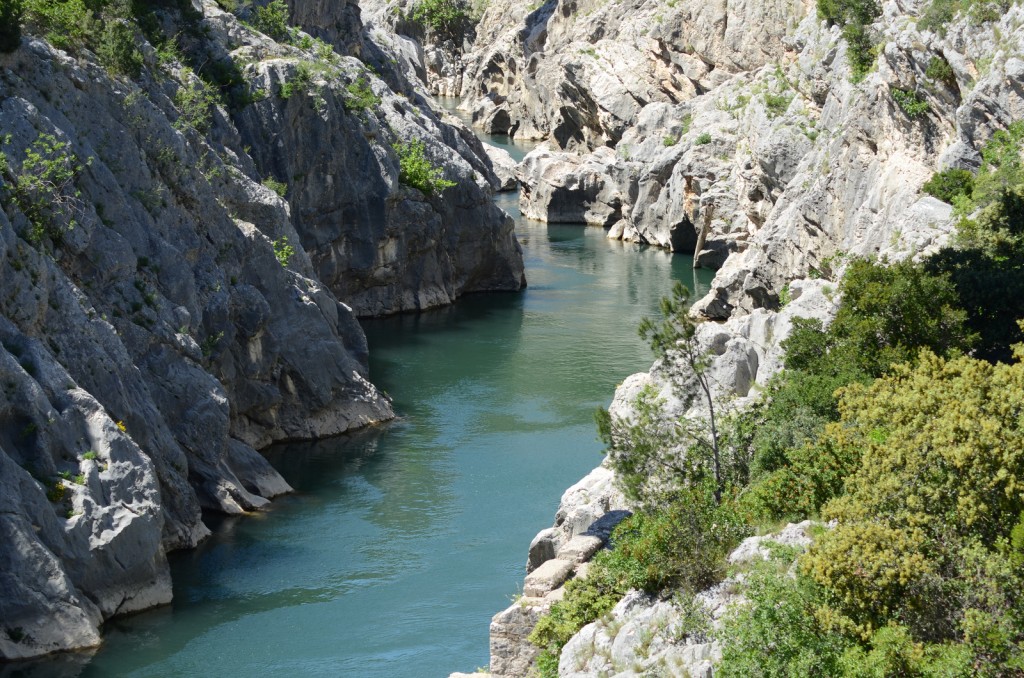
{"points": [[401, 542]]}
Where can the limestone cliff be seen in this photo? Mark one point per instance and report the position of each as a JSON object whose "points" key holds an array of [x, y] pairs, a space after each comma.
{"points": [[743, 135], [164, 314]]}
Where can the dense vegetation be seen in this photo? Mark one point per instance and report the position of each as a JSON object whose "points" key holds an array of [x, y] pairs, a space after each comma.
{"points": [[902, 421]]}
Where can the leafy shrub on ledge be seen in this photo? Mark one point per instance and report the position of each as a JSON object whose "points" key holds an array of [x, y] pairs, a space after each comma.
{"points": [[272, 20], [416, 170], [950, 184], [854, 17], [910, 102], [360, 96]]}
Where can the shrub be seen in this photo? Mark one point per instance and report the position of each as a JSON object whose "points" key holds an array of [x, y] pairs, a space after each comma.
{"points": [[776, 632], [939, 70], [950, 184], [928, 517], [669, 141], [117, 49], [448, 18], [194, 100], [910, 102], [44, 188], [272, 20], [278, 187], [854, 16], [776, 104], [681, 546], [67, 24], [703, 139], [10, 24], [283, 251], [416, 170], [360, 96]]}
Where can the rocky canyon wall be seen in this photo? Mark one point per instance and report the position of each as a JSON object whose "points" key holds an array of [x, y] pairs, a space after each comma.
{"points": [[165, 311]]}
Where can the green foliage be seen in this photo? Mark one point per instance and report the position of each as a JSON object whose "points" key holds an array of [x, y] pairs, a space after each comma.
{"points": [[776, 633], [447, 18], [950, 184], [194, 100], [283, 251], [10, 24], [987, 264], [888, 313], [416, 169], [117, 50], [91, 454], [68, 24], [57, 492], [669, 140], [278, 187], [910, 102], [44, 189], [272, 20], [776, 104], [939, 13], [360, 96], [926, 522], [703, 139], [939, 70], [854, 16], [681, 545]]}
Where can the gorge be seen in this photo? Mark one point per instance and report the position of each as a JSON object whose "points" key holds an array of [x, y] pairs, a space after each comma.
{"points": [[201, 198]]}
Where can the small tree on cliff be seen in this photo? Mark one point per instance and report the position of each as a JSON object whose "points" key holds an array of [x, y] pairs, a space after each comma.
{"points": [[650, 452]]}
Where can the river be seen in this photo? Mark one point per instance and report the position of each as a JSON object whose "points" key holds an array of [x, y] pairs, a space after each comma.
{"points": [[401, 542]]}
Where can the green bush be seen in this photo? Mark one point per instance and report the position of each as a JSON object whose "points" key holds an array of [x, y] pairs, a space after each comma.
{"points": [[703, 139], [926, 523], [854, 16], [776, 632], [447, 18], [117, 50], [681, 546], [360, 96], [939, 70], [776, 104], [44, 189], [194, 100], [272, 20], [279, 187], [10, 24], [283, 251], [910, 102], [950, 184], [67, 24], [416, 170]]}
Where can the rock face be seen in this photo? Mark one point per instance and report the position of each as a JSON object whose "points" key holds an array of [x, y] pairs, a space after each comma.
{"points": [[163, 314], [580, 71], [735, 133], [781, 168]]}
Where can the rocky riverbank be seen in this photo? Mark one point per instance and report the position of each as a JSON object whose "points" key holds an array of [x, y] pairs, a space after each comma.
{"points": [[183, 254], [747, 136]]}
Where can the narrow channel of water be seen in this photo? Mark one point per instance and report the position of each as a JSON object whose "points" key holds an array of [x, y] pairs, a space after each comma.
{"points": [[401, 542]]}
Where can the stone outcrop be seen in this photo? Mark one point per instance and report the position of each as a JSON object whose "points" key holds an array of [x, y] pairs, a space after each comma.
{"points": [[578, 72], [165, 314], [787, 170], [644, 635]]}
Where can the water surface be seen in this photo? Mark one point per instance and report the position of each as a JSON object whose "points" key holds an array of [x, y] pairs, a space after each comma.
{"points": [[401, 542]]}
